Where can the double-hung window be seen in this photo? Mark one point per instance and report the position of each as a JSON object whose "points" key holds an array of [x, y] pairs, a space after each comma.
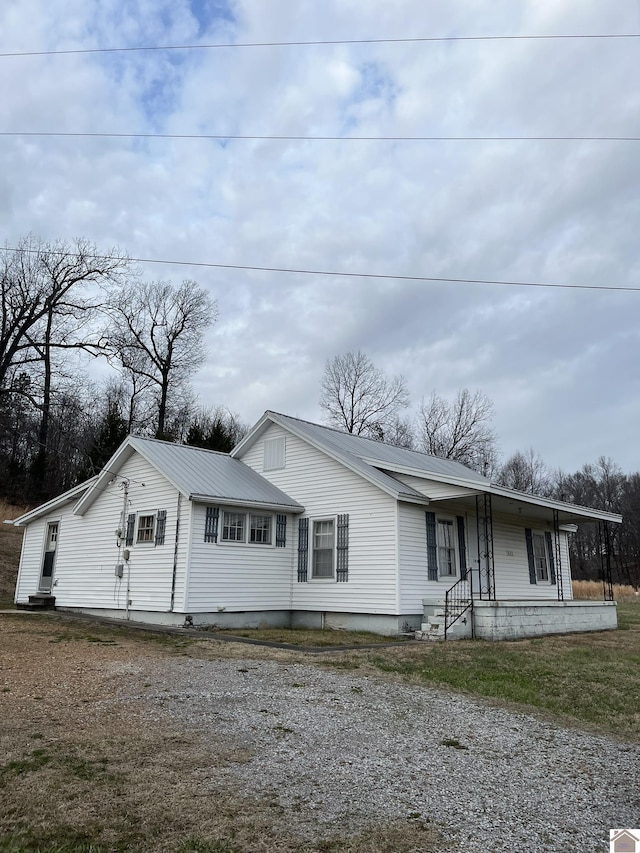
{"points": [[233, 526], [260, 529], [323, 546], [540, 556], [253, 528], [146, 524], [446, 548]]}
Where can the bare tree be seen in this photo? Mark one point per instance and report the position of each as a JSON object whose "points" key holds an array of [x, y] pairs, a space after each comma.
{"points": [[460, 430], [47, 300], [359, 398], [50, 295], [156, 337], [526, 472]]}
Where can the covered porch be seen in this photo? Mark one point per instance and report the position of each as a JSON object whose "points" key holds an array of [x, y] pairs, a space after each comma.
{"points": [[510, 534]]}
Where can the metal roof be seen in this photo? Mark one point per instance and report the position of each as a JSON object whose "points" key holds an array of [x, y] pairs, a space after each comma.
{"points": [[208, 474], [371, 458], [54, 503], [367, 448], [356, 452]]}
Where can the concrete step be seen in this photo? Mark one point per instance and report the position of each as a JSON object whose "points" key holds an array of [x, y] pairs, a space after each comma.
{"points": [[40, 601], [433, 629]]}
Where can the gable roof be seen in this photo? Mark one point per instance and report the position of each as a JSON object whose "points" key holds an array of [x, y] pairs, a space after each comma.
{"points": [[343, 447], [54, 503], [199, 474], [377, 462]]}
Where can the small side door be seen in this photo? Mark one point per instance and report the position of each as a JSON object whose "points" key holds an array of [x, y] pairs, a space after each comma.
{"points": [[48, 562]]}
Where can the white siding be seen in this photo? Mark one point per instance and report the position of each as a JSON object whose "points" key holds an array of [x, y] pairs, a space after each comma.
{"points": [[512, 565], [509, 552], [432, 488], [414, 581], [326, 488], [84, 573], [32, 553], [237, 576]]}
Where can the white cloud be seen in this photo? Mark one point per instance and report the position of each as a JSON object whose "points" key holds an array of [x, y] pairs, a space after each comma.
{"points": [[561, 366]]}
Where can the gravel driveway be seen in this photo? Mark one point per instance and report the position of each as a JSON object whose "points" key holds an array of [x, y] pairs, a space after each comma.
{"points": [[341, 749]]}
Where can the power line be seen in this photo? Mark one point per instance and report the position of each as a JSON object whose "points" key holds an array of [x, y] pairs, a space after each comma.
{"points": [[342, 274], [327, 42], [292, 138]]}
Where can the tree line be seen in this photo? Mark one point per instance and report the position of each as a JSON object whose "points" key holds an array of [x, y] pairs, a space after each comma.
{"points": [[359, 398], [63, 303]]}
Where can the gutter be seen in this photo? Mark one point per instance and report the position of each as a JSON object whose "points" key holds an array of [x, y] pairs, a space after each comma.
{"points": [[215, 499]]}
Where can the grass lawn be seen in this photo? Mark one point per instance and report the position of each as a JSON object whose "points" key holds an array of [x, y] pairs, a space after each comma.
{"points": [[594, 679]]}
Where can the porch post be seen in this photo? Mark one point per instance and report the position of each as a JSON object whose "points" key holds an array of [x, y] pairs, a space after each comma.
{"points": [[604, 546], [486, 564], [558, 554]]}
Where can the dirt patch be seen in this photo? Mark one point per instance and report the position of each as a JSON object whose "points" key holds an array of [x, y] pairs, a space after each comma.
{"points": [[84, 770]]}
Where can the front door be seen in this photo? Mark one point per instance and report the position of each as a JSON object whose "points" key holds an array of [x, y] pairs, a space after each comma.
{"points": [[46, 578]]}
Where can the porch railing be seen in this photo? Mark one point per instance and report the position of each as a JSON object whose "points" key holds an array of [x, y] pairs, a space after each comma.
{"points": [[458, 599]]}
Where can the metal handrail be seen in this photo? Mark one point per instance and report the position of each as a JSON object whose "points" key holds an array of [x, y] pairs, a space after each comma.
{"points": [[455, 603]]}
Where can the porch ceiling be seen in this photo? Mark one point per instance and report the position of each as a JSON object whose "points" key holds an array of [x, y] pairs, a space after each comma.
{"points": [[530, 506]]}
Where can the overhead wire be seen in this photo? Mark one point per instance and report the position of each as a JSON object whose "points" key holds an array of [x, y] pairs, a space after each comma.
{"points": [[344, 274], [323, 42], [293, 138]]}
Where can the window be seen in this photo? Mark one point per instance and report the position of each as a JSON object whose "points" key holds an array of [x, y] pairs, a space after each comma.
{"points": [[274, 449], [540, 557], [542, 567], [446, 548], [145, 528], [253, 528], [233, 527], [446, 551], [260, 529], [322, 549]]}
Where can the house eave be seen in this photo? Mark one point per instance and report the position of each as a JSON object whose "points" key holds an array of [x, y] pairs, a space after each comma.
{"points": [[570, 511], [424, 475], [231, 501], [49, 506], [274, 418]]}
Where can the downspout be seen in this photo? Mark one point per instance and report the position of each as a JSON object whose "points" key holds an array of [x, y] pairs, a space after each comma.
{"points": [[175, 554]]}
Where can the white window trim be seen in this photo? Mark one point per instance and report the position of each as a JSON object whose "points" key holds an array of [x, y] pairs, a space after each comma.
{"points": [[334, 556], [150, 542], [448, 579], [245, 541]]}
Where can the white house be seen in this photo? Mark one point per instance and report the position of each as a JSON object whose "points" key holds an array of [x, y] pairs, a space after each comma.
{"points": [[304, 525]]}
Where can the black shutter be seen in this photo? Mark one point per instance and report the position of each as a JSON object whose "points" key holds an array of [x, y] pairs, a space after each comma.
{"points": [[462, 547], [131, 523], [432, 553], [281, 531], [552, 565], [342, 567], [161, 523], [532, 563], [211, 524], [303, 549]]}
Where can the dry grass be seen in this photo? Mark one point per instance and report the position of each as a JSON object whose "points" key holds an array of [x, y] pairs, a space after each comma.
{"points": [[592, 590], [10, 545], [81, 773], [308, 637]]}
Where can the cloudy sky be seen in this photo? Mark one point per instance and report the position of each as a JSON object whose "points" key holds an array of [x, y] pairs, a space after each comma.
{"points": [[561, 365]]}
